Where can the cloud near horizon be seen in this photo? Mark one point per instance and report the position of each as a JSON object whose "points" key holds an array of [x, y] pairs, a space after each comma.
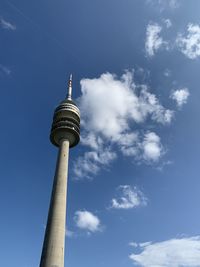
{"points": [[177, 252]]}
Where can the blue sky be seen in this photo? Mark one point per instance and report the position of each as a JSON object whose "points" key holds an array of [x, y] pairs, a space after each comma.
{"points": [[133, 193]]}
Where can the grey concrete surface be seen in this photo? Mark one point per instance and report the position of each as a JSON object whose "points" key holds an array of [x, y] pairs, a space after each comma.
{"points": [[54, 241]]}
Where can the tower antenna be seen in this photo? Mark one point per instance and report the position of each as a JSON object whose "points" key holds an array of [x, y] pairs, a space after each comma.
{"points": [[69, 93]]}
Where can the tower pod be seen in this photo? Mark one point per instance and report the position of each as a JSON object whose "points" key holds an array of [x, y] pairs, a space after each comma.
{"points": [[66, 121]]}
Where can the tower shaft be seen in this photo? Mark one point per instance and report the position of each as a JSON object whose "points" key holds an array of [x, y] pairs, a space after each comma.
{"points": [[54, 241], [65, 134]]}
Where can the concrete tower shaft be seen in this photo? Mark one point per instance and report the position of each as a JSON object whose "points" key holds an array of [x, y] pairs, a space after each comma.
{"points": [[54, 241], [65, 133]]}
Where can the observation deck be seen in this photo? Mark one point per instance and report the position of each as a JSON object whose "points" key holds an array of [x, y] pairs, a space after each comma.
{"points": [[66, 121]]}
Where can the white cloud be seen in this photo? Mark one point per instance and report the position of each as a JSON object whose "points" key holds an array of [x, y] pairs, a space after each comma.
{"points": [[164, 164], [87, 221], [152, 147], [144, 244], [153, 39], [92, 141], [129, 197], [168, 23], [150, 106], [129, 144], [180, 96], [133, 244], [177, 252], [163, 4], [167, 73], [5, 70], [146, 148], [110, 110], [69, 233], [189, 45], [7, 25], [92, 161], [112, 102], [173, 3]]}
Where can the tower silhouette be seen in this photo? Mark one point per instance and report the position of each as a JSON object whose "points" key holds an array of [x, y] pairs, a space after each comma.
{"points": [[65, 133]]}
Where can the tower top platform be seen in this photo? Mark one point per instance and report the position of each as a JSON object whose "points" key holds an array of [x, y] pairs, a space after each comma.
{"points": [[66, 121]]}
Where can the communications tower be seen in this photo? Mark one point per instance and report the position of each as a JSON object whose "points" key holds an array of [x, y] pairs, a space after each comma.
{"points": [[65, 133]]}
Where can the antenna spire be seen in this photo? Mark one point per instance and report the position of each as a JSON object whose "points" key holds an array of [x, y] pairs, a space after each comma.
{"points": [[69, 93]]}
